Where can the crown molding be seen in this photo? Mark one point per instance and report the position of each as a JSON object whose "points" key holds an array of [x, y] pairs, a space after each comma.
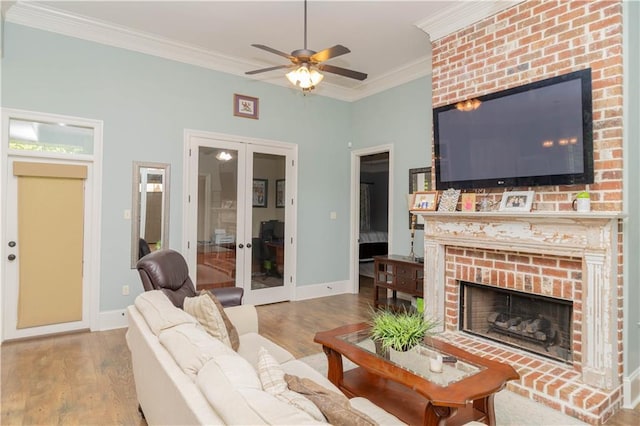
{"points": [[60, 22], [461, 14]]}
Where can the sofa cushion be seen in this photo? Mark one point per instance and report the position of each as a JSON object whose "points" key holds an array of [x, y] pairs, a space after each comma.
{"points": [[272, 378], [250, 344], [210, 314], [159, 313], [334, 406], [191, 347], [232, 387]]}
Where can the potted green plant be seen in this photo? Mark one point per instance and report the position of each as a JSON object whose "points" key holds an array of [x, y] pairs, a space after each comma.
{"points": [[400, 330]]}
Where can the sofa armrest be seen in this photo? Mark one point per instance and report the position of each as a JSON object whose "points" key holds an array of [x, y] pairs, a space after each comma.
{"points": [[244, 318]]}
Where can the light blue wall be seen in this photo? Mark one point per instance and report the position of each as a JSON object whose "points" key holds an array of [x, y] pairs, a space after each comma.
{"points": [[146, 103], [400, 117], [631, 13]]}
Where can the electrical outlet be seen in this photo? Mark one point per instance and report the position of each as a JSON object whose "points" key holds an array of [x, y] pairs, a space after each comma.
{"points": [[125, 290]]}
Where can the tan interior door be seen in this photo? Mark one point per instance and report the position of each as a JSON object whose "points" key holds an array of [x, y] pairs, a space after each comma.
{"points": [[50, 201]]}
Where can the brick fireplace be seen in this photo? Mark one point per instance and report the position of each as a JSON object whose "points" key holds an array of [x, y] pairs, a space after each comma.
{"points": [[566, 256], [552, 251]]}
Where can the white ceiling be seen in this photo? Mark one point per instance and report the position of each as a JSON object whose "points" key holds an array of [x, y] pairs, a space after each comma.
{"points": [[389, 40]]}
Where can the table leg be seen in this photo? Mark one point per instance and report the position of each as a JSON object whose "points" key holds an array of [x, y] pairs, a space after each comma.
{"points": [[334, 360], [486, 406], [437, 415]]}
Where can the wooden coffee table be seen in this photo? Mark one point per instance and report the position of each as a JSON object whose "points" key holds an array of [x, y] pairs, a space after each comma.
{"points": [[404, 386]]}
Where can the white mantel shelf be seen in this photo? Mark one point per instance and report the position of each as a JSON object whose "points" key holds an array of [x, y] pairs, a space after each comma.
{"points": [[525, 215]]}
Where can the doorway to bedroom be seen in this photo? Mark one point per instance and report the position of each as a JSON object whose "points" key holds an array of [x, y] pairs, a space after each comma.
{"points": [[373, 215]]}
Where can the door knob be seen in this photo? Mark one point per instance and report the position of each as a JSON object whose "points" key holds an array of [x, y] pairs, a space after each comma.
{"points": [[240, 246], [12, 243], [11, 257], [248, 245]]}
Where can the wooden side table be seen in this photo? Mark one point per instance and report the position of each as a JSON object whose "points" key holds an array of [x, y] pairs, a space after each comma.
{"points": [[398, 274]]}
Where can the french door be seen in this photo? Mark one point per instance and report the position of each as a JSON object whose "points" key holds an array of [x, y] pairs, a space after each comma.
{"points": [[240, 222]]}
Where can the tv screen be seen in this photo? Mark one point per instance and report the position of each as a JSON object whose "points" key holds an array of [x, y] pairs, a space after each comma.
{"points": [[532, 135]]}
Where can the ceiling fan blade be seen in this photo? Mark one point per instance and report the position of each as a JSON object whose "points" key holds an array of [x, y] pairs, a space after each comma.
{"points": [[277, 52], [342, 71], [329, 53], [278, 67]]}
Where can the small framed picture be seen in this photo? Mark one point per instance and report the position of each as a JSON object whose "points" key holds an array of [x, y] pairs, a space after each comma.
{"points": [[424, 200], [449, 200], [280, 193], [245, 106], [260, 187], [468, 202], [519, 201]]}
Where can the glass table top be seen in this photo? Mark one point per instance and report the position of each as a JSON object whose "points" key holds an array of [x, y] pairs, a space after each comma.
{"points": [[417, 360]]}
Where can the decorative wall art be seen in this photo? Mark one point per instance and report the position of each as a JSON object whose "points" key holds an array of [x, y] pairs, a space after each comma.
{"points": [[449, 200], [280, 193], [260, 187], [245, 106], [468, 202]]}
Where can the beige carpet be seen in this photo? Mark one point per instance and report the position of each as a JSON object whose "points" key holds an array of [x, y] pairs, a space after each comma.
{"points": [[511, 409]]}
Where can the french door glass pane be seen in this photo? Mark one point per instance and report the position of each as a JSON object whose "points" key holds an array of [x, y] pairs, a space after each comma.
{"points": [[217, 217], [268, 219]]}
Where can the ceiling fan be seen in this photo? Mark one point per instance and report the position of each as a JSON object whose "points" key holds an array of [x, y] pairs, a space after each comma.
{"points": [[306, 63]]}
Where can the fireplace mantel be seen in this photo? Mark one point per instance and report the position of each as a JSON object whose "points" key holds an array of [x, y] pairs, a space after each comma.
{"points": [[559, 233], [590, 236]]}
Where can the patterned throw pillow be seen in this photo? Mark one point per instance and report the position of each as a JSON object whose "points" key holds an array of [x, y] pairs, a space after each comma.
{"points": [[272, 378], [208, 310], [334, 406]]}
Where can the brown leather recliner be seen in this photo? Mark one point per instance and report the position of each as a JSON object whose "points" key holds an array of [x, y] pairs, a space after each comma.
{"points": [[167, 270]]}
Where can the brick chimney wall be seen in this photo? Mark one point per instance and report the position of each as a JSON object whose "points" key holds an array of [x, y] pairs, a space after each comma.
{"points": [[535, 40], [528, 42]]}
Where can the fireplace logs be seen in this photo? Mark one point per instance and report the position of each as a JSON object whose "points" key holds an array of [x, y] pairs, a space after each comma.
{"points": [[537, 330]]}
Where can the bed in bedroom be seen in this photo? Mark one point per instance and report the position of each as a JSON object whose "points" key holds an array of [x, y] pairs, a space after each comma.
{"points": [[372, 243]]}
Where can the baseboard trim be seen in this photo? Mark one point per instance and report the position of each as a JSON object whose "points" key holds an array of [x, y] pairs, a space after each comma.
{"points": [[631, 390], [109, 320], [313, 291]]}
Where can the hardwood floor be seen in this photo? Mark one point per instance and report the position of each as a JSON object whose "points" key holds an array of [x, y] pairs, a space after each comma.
{"points": [[85, 378]]}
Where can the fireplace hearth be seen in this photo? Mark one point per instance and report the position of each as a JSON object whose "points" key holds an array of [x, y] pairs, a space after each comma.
{"points": [[537, 324]]}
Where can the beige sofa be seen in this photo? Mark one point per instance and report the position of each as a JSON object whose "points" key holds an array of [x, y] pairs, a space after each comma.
{"points": [[185, 376]]}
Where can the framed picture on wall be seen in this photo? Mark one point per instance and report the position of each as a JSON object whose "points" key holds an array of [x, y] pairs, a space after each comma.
{"points": [[280, 193], [419, 180], [260, 187], [245, 106]]}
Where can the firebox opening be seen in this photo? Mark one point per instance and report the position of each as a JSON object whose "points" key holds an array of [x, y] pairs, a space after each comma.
{"points": [[538, 324]]}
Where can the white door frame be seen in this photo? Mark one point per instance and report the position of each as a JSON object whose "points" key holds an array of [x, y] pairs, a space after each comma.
{"points": [[92, 221], [189, 223], [355, 207]]}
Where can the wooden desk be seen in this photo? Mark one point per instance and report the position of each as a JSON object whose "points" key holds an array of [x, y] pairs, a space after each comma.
{"points": [[398, 274], [413, 398]]}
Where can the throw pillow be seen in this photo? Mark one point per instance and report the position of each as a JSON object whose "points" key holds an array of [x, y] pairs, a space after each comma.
{"points": [[208, 310], [272, 378], [335, 407]]}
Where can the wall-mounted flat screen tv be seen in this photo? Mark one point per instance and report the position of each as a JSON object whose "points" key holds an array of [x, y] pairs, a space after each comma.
{"points": [[532, 135]]}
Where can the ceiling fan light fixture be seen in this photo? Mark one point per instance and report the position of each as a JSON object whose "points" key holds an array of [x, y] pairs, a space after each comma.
{"points": [[304, 77]]}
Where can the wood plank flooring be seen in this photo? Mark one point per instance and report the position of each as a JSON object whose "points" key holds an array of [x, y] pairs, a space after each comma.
{"points": [[85, 378]]}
